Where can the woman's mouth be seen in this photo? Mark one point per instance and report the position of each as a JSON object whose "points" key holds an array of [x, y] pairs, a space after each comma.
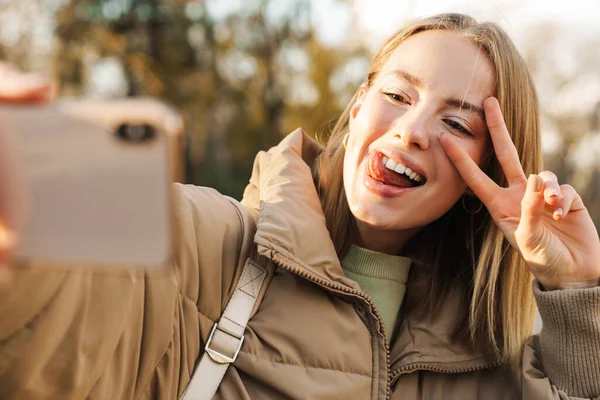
{"points": [[389, 172]]}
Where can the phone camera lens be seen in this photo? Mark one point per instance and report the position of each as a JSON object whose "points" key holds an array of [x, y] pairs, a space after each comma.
{"points": [[136, 133]]}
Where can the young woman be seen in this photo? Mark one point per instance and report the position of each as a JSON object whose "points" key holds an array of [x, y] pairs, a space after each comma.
{"points": [[433, 167]]}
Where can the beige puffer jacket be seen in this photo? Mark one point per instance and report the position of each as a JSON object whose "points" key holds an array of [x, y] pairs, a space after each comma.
{"points": [[316, 335]]}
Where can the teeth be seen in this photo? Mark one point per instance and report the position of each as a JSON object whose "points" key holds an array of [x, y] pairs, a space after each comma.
{"points": [[390, 164], [401, 169]]}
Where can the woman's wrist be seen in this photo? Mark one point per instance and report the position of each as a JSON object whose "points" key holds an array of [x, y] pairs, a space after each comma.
{"points": [[548, 285]]}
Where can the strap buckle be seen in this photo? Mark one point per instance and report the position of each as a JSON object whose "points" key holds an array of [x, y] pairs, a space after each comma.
{"points": [[217, 356]]}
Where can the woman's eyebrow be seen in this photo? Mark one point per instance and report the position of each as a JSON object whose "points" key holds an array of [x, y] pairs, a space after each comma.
{"points": [[465, 105], [452, 102], [411, 79]]}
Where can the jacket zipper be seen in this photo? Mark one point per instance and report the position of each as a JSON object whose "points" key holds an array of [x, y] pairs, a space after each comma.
{"points": [[281, 260], [392, 376], [412, 367]]}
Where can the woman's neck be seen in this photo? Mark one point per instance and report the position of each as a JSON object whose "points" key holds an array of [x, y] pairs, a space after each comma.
{"points": [[383, 241]]}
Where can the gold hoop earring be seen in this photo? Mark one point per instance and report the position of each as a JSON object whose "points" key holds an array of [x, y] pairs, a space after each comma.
{"points": [[470, 210], [345, 140]]}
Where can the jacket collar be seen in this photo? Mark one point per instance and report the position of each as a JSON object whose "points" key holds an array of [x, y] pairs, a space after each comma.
{"points": [[282, 194]]}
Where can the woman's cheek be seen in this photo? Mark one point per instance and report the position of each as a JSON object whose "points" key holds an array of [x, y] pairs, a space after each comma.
{"points": [[476, 153], [373, 117]]}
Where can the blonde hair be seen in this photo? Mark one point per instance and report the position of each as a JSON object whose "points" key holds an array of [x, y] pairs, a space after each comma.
{"points": [[495, 280]]}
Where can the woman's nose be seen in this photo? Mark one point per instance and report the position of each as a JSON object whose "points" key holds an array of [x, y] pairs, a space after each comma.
{"points": [[412, 129]]}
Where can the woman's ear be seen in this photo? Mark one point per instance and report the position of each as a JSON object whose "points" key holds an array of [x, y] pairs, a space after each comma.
{"points": [[360, 95]]}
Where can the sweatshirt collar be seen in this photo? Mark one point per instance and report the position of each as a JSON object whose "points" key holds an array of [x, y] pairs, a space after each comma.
{"points": [[376, 265]]}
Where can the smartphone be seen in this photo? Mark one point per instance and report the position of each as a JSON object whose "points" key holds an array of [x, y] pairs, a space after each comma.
{"points": [[87, 182]]}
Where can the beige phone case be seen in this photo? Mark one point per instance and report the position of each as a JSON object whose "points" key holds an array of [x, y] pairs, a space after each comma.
{"points": [[80, 193]]}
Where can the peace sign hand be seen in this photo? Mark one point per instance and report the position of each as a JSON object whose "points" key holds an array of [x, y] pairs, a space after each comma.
{"points": [[546, 222]]}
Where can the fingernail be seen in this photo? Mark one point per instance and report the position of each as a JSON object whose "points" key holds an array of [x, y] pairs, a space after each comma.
{"points": [[552, 193], [32, 81], [534, 182], [558, 213]]}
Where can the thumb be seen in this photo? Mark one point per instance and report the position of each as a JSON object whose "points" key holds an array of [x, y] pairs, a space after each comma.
{"points": [[532, 210], [20, 87]]}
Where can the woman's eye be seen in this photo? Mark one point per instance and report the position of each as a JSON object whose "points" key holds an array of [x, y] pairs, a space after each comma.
{"points": [[457, 127], [397, 97]]}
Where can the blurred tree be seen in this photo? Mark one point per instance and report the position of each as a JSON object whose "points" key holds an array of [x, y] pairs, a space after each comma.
{"points": [[242, 77], [243, 74], [566, 73]]}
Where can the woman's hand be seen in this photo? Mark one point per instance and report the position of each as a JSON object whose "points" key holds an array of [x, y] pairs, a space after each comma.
{"points": [[17, 88], [546, 222]]}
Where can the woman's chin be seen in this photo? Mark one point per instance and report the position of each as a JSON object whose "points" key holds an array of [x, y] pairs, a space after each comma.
{"points": [[382, 222]]}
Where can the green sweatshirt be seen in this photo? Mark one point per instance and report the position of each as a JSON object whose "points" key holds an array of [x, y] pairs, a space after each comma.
{"points": [[382, 277]]}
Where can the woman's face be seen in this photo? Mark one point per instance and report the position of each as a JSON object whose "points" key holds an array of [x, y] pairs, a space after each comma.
{"points": [[434, 83]]}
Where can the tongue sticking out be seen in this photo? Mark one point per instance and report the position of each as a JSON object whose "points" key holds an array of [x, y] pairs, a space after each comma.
{"points": [[384, 175]]}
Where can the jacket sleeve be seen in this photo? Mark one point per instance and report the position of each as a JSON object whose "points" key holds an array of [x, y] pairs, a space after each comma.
{"points": [[74, 333], [563, 361], [60, 328]]}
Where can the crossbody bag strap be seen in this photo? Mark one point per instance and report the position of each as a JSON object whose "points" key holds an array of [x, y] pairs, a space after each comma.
{"points": [[227, 335]]}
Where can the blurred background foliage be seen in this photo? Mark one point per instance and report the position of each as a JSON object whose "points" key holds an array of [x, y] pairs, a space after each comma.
{"points": [[241, 80], [245, 73]]}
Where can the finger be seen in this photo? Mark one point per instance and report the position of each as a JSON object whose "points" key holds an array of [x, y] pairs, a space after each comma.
{"points": [[29, 96], [552, 192], [532, 211], [8, 241], [570, 201], [505, 150], [482, 186], [19, 87], [7, 244]]}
